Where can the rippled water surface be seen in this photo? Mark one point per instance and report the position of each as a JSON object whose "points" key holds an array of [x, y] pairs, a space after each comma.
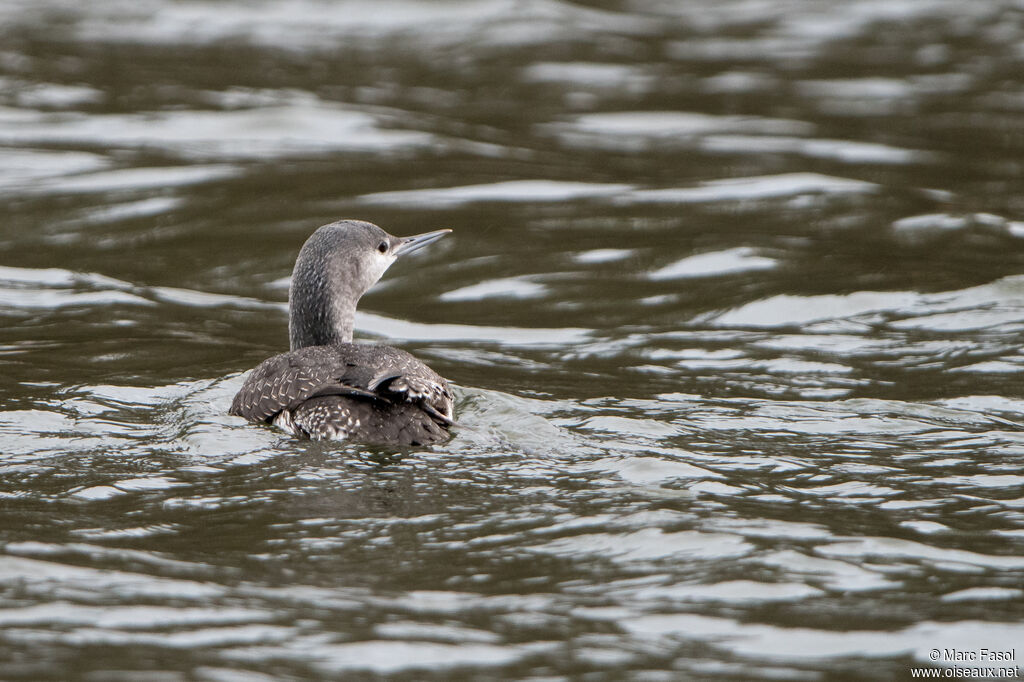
{"points": [[734, 306]]}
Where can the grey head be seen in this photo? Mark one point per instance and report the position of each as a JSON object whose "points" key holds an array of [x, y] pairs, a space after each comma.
{"points": [[335, 267]]}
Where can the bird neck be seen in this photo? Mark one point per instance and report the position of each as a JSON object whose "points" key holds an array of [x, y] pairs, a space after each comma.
{"points": [[321, 307], [338, 328]]}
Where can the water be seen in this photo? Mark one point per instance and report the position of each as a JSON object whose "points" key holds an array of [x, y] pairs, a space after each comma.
{"points": [[733, 304]]}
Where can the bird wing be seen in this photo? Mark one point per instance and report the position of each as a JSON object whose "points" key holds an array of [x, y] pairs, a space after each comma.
{"points": [[285, 381], [433, 396], [273, 386]]}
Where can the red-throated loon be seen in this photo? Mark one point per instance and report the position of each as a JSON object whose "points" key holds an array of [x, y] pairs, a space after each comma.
{"points": [[328, 387]]}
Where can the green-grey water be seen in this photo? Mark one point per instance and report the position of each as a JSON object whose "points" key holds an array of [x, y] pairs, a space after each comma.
{"points": [[733, 305]]}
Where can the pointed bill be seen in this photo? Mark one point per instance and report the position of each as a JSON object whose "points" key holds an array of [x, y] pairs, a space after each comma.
{"points": [[409, 244]]}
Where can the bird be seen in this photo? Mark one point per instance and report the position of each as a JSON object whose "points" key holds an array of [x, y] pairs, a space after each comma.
{"points": [[326, 386]]}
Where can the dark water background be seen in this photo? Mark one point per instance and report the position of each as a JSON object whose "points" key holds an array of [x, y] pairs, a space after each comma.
{"points": [[734, 304]]}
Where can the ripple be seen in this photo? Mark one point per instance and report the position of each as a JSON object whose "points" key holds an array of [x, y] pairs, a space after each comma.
{"points": [[23, 169], [879, 96], [845, 151], [648, 470], [55, 288], [305, 25], [731, 189], [270, 131], [602, 255], [751, 188], [650, 544], [133, 209], [590, 75], [57, 95], [754, 639], [505, 336], [737, 591], [894, 548], [513, 190], [787, 310], [430, 631], [739, 259], [50, 579], [830, 573], [127, 617], [180, 640], [385, 657], [989, 305], [97, 492], [28, 299], [628, 129], [137, 178], [511, 287], [984, 594], [856, 88]]}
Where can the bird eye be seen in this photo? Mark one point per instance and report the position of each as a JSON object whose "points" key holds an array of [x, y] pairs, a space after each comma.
{"points": [[382, 247]]}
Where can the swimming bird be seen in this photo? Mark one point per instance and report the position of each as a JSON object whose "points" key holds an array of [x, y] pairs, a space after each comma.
{"points": [[327, 387]]}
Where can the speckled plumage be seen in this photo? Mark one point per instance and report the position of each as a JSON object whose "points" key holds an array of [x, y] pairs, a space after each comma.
{"points": [[370, 393], [329, 388]]}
